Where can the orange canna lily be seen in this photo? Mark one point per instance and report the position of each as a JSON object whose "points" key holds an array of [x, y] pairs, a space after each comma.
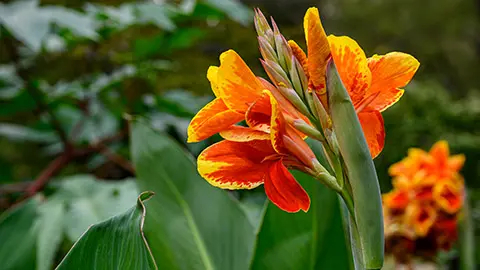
{"points": [[373, 84], [261, 154]]}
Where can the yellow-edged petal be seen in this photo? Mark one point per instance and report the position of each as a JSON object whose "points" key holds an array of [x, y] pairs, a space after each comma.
{"points": [[237, 85], [212, 76], [211, 119], [352, 66], [243, 134], [235, 165]]}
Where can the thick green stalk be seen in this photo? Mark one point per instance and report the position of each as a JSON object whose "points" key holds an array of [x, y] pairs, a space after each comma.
{"points": [[360, 172]]}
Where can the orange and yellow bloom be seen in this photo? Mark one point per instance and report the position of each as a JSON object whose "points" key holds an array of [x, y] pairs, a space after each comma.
{"points": [[259, 153], [279, 116], [427, 197]]}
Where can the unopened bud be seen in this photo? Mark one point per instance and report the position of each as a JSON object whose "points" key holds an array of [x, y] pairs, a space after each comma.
{"points": [[276, 73], [284, 52], [267, 51], [308, 130], [262, 27], [320, 112], [295, 77], [292, 96]]}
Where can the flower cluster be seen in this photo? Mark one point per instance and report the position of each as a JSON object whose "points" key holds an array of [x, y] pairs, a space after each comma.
{"points": [[264, 123], [421, 211]]}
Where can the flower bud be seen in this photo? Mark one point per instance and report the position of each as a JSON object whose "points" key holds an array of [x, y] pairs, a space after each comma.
{"points": [[263, 28], [267, 51], [276, 73]]}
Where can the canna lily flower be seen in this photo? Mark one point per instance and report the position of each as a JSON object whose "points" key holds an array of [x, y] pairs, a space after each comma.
{"points": [[426, 199], [373, 84], [248, 158], [257, 154]]}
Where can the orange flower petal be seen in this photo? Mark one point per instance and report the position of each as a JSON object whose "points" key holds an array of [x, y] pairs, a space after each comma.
{"points": [[235, 165], [374, 131], [243, 134], [352, 66], [448, 196], [258, 114], [299, 54], [389, 72], [211, 119], [440, 152], [237, 85], [284, 191], [456, 162], [318, 50], [212, 76], [385, 98], [277, 125]]}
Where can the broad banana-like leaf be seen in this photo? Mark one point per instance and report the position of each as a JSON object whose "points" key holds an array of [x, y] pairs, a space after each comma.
{"points": [[117, 243]]}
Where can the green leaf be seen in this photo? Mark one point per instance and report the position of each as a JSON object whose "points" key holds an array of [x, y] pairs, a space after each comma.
{"points": [[30, 23], [90, 201], [18, 234], [15, 132], [191, 225], [117, 243], [234, 9], [312, 240], [50, 232], [360, 170]]}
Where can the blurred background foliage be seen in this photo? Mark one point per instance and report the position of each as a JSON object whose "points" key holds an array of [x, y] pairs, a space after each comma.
{"points": [[71, 70]]}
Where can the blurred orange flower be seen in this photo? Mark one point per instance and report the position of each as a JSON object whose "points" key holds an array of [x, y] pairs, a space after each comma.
{"points": [[426, 199]]}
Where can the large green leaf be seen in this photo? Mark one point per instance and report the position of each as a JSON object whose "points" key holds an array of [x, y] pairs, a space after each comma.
{"points": [[312, 240], [117, 243], [50, 232], [191, 225], [18, 236]]}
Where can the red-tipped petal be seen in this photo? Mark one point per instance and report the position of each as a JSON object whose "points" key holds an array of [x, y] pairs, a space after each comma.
{"points": [[235, 165], [284, 191]]}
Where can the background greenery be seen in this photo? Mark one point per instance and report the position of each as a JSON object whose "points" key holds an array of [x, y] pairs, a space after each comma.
{"points": [[71, 70]]}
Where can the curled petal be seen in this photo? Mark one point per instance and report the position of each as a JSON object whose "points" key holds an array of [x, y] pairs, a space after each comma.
{"points": [[277, 125], [258, 114], [391, 71], [374, 131], [211, 119], [212, 76], [235, 165], [284, 191], [299, 54], [243, 134], [318, 49], [237, 85], [352, 66]]}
